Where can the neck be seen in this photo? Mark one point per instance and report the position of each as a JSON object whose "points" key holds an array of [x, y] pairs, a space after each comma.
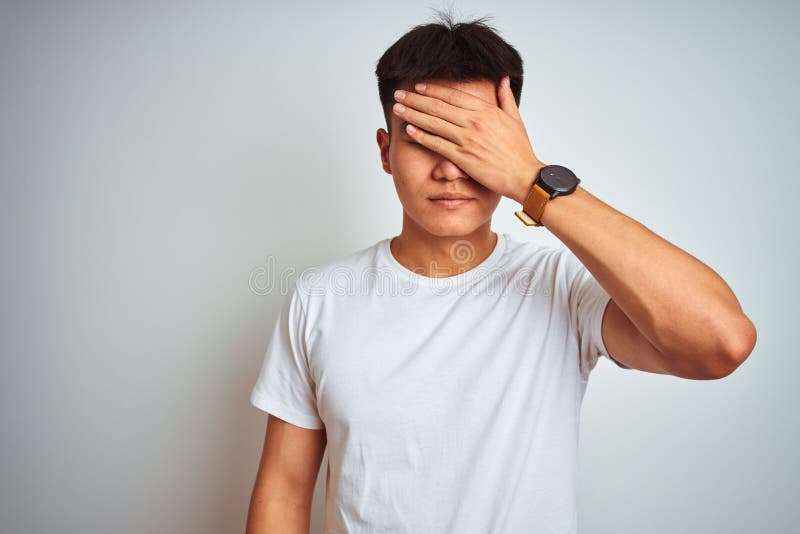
{"points": [[443, 256]]}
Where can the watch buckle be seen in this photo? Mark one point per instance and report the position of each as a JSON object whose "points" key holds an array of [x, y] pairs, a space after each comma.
{"points": [[527, 219]]}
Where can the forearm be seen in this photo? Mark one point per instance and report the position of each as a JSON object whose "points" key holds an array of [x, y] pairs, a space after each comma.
{"points": [[678, 303], [275, 515]]}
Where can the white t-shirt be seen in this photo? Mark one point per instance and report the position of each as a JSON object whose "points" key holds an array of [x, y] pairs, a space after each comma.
{"points": [[451, 405]]}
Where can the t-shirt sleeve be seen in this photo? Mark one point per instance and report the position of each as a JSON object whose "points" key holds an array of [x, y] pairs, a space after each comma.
{"points": [[587, 304], [285, 387]]}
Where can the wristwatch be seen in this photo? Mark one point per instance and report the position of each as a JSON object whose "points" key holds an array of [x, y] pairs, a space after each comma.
{"points": [[552, 181]]}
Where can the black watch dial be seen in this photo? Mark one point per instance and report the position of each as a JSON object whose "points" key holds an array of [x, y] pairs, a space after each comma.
{"points": [[558, 180]]}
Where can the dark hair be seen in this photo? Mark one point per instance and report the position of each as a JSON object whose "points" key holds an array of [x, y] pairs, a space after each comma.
{"points": [[458, 52]]}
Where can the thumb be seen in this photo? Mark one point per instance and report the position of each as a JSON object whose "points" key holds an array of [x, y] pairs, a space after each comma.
{"points": [[506, 98]]}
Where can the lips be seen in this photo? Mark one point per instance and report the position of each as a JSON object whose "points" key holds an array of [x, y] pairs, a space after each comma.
{"points": [[451, 201], [451, 196]]}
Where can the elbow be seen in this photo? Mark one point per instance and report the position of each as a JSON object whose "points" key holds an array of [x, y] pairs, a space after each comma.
{"points": [[737, 344]]}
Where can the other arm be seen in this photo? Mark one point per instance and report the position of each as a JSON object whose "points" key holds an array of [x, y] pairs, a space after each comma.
{"points": [[284, 486]]}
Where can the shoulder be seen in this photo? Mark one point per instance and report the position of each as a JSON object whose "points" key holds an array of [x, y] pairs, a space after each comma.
{"points": [[553, 270], [520, 254], [340, 272]]}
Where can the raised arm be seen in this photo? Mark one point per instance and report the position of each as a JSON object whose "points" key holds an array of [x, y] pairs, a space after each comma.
{"points": [[669, 313]]}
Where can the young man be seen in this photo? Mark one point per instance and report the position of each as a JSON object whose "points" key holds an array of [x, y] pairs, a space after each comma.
{"points": [[444, 368]]}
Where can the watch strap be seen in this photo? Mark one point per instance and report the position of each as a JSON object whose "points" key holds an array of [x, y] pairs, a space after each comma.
{"points": [[533, 206]]}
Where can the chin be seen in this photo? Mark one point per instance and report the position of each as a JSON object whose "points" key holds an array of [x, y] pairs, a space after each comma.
{"points": [[449, 222], [453, 229]]}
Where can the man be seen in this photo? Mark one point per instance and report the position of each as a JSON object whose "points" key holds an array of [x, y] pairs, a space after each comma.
{"points": [[445, 367]]}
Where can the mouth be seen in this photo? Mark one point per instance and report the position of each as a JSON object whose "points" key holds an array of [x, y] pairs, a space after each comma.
{"points": [[447, 195], [451, 201]]}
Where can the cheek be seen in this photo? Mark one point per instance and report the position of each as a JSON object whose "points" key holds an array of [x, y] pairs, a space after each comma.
{"points": [[409, 190], [409, 171]]}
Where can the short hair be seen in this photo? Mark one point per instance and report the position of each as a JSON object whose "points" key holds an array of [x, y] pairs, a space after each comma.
{"points": [[458, 52]]}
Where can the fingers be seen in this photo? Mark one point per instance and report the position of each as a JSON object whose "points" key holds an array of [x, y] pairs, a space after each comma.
{"points": [[432, 106], [431, 123], [506, 97], [450, 95], [434, 142]]}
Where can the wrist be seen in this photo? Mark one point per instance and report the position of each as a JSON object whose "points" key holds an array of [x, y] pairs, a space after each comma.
{"points": [[558, 211], [552, 183], [526, 182]]}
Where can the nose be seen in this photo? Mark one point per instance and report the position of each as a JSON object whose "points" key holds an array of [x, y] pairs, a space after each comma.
{"points": [[446, 169]]}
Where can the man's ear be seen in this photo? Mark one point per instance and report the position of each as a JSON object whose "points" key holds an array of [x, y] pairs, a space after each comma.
{"points": [[384, 140]]}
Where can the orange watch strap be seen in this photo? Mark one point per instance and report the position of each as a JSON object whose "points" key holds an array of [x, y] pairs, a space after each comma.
{"points": [[533, 207]]}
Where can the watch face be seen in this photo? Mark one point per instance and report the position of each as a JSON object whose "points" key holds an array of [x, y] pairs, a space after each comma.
{"points": [[558, 179]]}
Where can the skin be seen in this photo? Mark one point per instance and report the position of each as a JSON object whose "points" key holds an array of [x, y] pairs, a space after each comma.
{"points": [[669, 312], [284, 487]]}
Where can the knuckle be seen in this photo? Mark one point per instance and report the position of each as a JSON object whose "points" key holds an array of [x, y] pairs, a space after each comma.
{"points": [[477, 122]]}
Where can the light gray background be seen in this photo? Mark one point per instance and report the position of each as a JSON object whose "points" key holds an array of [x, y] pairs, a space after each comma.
{"points": [[156, 156]]}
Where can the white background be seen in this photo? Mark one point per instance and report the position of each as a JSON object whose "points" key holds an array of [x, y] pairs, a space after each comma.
{"points": [[155, 156]]}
